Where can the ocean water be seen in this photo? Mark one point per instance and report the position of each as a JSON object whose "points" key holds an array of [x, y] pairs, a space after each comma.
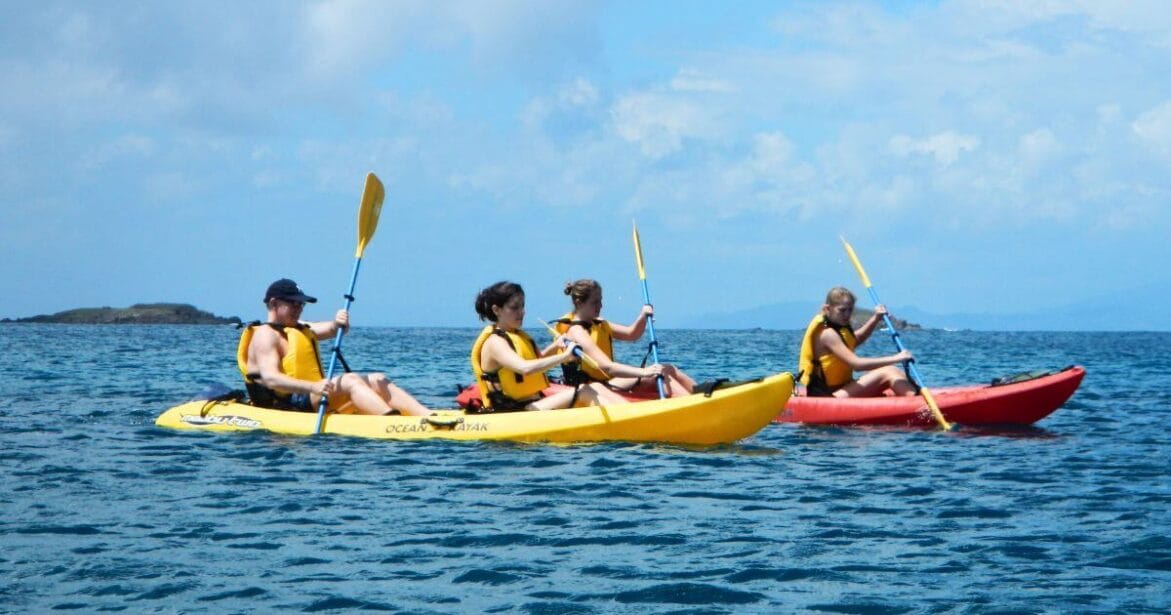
{"points": [[102, 511]]}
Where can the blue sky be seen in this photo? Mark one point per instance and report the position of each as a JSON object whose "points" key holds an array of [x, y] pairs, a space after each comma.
{"points": [[982, 156]]}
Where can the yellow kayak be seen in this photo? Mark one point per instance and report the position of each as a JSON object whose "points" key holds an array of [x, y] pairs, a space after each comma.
{"points": [[727, 415]]}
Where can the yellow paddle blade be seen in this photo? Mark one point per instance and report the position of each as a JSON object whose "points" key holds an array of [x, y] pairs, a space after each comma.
{"points": [[857, 263], [935, 411], [368, 213], [638, 253], [584, 357]]}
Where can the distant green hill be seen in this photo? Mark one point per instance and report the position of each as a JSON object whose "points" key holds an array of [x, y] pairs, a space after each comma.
{"points": [[782, 316], [139, 314]]}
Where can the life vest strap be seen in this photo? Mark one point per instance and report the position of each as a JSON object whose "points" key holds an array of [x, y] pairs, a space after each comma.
{"points": [[711, 385], [574, 375], [518, 376], [345, 366], [650, 348], [504, 403], [264, 397]]}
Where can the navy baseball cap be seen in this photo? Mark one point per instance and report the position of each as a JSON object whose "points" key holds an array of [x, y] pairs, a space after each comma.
{"points": [[287, 290]]}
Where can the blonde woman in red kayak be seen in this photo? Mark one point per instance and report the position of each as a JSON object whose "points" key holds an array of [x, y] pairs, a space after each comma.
{"points": [[585, 327], [827, 361]]}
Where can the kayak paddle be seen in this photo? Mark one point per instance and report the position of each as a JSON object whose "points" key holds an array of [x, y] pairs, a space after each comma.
{"points": [[577, 351], [912, 371], [368, 212], [646, 298]]}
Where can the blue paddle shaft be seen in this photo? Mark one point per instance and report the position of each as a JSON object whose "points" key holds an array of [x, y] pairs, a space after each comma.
{"points": [[894, 334], [650, 325], [337, 347]]}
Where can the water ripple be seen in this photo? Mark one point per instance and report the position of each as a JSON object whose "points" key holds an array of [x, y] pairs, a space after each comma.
{"points": [[105, 512]]}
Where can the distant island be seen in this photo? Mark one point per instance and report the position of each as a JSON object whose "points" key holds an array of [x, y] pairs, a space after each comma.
{"points": [[139, 314], [793, 315], [861, 315]]}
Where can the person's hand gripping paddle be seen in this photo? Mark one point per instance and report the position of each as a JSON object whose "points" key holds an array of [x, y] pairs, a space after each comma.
{"points": [[650, 321], [912, 371], [368, 214]]}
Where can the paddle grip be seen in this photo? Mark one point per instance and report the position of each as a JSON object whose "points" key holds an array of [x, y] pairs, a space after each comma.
{"points": [[650, 325], [576, 351]]}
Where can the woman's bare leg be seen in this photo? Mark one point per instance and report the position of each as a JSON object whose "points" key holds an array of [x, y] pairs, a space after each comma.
{"points": [[395, 396], [874, 382]]}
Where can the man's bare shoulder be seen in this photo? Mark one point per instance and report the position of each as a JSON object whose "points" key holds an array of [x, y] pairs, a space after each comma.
{"points": [[264, 336]]}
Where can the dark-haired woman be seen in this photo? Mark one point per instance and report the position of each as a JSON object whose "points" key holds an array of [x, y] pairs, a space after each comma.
{"points": [[510, 370], [585, 327]]}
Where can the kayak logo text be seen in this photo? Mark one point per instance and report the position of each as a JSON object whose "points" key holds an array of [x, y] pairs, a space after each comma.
{"points": [[423, 426], [230, 420]]}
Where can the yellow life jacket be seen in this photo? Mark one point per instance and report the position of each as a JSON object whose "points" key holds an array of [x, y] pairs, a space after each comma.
{"points": [[827, 371], [513, 386], [602, 335], [301, 361]]}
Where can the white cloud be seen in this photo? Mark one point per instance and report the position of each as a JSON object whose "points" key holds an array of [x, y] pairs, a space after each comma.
{"points": [[896, 194], [124, 146], [543, 38], [1135, 16], [268, 178], [807, 123], [839, 24], [944, 147], [691, 80], [513, 38], [262, 152], [571, 108], [772, 153], [63, 93], [1038, 148], [578, 93], [658, 123], [344, 37], [535, 113], [1109, 114], [169, 186], [1153, 128], [1124, 217]]}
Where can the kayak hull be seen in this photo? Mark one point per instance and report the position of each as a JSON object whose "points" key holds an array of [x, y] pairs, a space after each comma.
{"points": [[726, 416], [1019, 403]]}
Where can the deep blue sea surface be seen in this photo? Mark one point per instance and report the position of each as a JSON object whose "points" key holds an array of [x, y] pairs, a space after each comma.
{"points": [[102, 511]]}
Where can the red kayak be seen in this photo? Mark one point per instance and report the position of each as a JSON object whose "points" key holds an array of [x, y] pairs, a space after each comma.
{"points": [[1018, 400]]}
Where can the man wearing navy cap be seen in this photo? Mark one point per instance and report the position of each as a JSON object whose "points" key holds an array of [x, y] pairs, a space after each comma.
{"points": [[282, 366]]}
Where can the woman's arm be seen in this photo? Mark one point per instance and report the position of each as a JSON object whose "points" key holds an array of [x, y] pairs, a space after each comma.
{"points": [[612, 368], [868, 327], [633, 331], [498, 352], [832, 342]]}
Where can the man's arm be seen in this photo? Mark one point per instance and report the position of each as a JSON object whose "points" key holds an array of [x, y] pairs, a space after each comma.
{"points": [[264, 355], [328, 328]]}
